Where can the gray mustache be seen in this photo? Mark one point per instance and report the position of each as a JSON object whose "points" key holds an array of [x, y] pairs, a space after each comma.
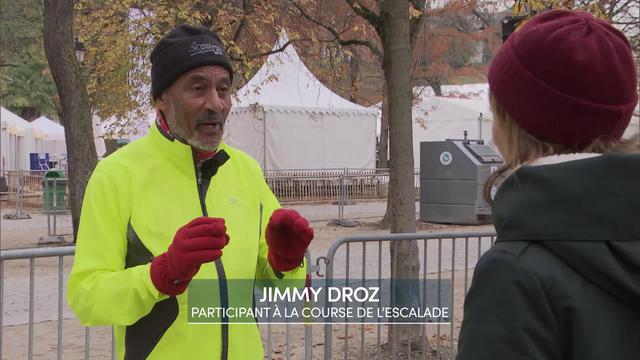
{"points": [[211, 118]]}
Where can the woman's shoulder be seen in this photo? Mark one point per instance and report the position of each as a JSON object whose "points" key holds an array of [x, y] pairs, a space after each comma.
{"points": [[522, 260]]}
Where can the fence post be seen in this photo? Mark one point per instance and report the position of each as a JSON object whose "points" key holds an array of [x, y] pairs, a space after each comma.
{"points": [[341, 198], [52, 210], [55, 205], [19, 215]]}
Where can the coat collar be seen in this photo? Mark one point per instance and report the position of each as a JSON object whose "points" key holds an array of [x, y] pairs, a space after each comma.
{"points": [[176, 152]]}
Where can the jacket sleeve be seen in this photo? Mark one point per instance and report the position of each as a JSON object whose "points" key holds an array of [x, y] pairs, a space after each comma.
{"points": [[264, 271], [100, 290], [506, 313]]}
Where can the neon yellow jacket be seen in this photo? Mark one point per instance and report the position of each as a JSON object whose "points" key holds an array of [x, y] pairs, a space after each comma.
{"points": [[135, 201]]}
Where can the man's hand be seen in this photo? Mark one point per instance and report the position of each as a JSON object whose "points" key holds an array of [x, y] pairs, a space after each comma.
{"points": [[288, 236], [200, 241]]}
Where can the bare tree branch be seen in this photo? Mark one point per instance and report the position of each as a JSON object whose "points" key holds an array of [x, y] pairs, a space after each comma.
{"points": [[374, 48], [257, 55], [243, 21], [366, 14], [416, 23], [481, 17]]}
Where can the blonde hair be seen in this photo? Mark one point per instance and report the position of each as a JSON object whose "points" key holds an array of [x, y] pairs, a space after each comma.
{"points": [[521, 148]]}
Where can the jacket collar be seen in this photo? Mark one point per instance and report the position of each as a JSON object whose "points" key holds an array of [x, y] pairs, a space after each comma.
{"points": [[177, 153], [558, 159], [593, 198]]}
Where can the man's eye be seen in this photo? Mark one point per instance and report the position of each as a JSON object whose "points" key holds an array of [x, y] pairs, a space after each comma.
{"points": [[198, 88], [223, 90]]}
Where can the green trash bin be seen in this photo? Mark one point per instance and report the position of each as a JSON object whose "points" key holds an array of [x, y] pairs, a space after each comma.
{"points": [[54, 190]]}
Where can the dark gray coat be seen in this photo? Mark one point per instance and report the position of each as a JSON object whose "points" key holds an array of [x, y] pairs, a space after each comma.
{"points": [[563, 279]]}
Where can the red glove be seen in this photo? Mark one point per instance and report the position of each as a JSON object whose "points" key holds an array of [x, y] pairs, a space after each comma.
{"points": [[288, 236], [200, 241]]}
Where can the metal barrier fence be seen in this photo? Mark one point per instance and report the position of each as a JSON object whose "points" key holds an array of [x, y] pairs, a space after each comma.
{"points": [[331, 184], [31, 255], [444, 257], [103, 350], [25, 189]]}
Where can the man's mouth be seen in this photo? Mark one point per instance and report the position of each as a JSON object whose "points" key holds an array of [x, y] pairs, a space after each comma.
{"points": [[210, 124]]}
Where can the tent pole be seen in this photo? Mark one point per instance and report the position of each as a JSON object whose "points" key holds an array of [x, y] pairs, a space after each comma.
{"points": [[264, 139]]}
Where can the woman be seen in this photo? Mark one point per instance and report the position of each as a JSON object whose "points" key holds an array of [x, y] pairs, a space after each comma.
{"points": [[563, 278]]}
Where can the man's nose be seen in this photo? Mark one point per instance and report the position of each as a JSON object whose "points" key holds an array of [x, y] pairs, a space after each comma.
{"points": [[214, 101]]}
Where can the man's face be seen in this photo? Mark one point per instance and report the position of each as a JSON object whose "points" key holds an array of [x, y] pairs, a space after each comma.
{"points": [[196, 106]]}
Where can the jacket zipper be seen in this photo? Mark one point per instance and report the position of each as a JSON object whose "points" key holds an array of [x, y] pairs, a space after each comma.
{"points": [[202, 187], [202, 191]]}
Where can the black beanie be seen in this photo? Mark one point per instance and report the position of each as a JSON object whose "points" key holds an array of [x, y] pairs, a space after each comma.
{"points": [[182, 49]]}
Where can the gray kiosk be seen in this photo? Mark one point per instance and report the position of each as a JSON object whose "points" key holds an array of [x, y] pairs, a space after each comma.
{"points": [[452, 177]]}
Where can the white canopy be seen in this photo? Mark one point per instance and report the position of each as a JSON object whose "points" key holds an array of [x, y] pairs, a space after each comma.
{"points": [[134, 126], [287, 119], [634, 125], [50, 130], [53, 140], [53, 137], [17, 141], [478, 91], [440, 118]]}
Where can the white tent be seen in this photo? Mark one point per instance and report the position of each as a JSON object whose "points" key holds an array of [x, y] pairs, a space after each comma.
{"points": [[53, 140], [634, 125], [131, 127], [98, 137], [287, 119], [17, 141], [51, 130], [478, 91], [440, 118], [53, 137]]}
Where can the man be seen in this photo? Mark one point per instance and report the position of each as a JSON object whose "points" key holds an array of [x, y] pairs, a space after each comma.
{"points": [[176, 205]]}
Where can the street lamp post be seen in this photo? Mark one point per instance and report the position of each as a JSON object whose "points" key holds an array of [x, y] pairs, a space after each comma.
{"points": [[80, 50]]}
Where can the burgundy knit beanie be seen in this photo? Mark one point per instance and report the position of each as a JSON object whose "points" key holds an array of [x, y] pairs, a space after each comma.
{"points": [[566, 78]]}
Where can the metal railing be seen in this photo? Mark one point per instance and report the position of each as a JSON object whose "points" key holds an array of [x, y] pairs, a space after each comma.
{"points": [[24, 189], [60, 253], [434, 249], [444, 257], [323, 185], [32, 254]]}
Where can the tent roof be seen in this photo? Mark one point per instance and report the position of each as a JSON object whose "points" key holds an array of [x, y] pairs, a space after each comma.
{"points": [[284, 81], [133, 126], [47, 126], [12, 119], [478, 91], [437, 109], [428, 108]]}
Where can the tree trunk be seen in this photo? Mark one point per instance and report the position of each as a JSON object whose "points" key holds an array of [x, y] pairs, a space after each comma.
{"points": [[383, 146], [354, 72], [74, 100], [436, 85], [405, 263]]}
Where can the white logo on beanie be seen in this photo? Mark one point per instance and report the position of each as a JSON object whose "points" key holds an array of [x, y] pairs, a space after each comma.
{"points": [[203, 48]]}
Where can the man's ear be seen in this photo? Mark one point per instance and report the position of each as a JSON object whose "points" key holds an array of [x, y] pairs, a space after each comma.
{"points": [[161, 103]]}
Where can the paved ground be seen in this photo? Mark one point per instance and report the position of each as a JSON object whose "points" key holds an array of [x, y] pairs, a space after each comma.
{"points": [[27, 233]]}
